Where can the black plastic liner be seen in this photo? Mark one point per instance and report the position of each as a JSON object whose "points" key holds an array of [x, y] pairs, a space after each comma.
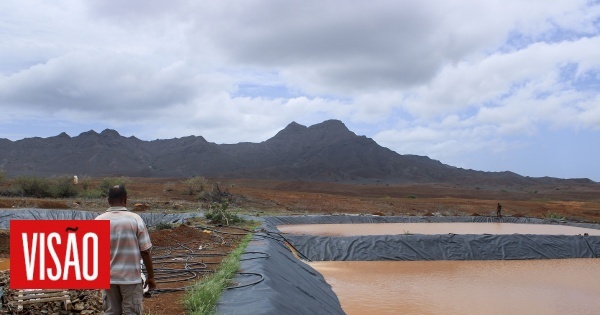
{"points": [[290, 286], [438, 247], [446, 247], [151, 219]]}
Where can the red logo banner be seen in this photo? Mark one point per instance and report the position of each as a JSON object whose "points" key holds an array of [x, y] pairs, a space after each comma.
{"points": [[59, 254]]}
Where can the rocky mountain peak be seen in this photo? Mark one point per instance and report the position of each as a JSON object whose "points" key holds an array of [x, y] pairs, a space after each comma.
{"points": [[88, 133], [110, 133], [327, 131], [332, 127]]}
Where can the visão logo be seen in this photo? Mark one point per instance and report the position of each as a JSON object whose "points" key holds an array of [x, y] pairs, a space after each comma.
{"points": [[59, 254]]}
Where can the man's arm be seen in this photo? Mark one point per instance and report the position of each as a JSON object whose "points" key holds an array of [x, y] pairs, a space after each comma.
{"points": [[147, 259]]}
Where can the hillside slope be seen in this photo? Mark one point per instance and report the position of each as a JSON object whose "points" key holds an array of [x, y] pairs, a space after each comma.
{"points": [[327, 151]]}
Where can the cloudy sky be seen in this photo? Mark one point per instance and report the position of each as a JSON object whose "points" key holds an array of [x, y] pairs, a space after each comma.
{"points": [[488, 85]]}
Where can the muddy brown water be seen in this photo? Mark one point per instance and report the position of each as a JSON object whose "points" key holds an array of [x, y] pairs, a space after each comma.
{"points": [[562, 286], [432, 228]]}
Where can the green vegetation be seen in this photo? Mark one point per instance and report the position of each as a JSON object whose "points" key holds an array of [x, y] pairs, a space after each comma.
{"points": [[195, 185], [101, 191], [553, 215], [219, 213], [203, 296], [62, 187], [33, 186], [109, 182], [91, 194], [2, 175], [163, 226], [411, 197], [59, 187]]}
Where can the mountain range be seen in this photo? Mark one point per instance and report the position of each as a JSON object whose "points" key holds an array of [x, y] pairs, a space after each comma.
{"points": [[327, 151]]}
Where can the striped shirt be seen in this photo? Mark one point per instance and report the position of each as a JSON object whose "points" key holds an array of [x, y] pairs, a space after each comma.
{"points": [[128, 236]]}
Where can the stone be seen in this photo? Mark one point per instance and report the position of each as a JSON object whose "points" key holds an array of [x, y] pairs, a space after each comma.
{"points": [[78, 306]]}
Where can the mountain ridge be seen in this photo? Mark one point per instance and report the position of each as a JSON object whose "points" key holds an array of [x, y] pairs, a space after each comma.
{"points": [[326, 151]]}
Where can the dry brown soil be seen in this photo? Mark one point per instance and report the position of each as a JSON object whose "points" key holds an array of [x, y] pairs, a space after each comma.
{"points": [[261, 197]]}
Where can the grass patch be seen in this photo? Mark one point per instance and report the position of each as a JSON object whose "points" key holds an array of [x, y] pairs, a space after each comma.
{"points": [[204, 295], [553, 215], [163, 226]]}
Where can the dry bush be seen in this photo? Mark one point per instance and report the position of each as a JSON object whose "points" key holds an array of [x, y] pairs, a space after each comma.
{"points": [[169, 186], [195, 185]]}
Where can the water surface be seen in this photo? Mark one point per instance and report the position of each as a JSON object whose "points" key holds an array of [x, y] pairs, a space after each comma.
{"points": [[562, 286]]}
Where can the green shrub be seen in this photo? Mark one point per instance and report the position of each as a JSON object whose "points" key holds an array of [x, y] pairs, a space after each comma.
{"points": [[553, 215], [163, 226], [109, 182], [62, 187], [92, 194], [2, 175], [85, 183], [411, 197], [195, 185], [218, 213], [38, 187], [31, 186]]}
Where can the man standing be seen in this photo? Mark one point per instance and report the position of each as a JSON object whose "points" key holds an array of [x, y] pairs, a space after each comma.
{"points": [[129, 242]]}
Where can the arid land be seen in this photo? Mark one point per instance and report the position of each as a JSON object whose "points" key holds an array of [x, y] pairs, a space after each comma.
{"points": [[269, 197]]}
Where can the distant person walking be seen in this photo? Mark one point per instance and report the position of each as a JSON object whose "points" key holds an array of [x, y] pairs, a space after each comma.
{"points": [[499, 210], [129, 242]]}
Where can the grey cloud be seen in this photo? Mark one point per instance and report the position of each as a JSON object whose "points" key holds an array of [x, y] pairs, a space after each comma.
{"points": [[125, 11], [349, 44], [101, 83]]}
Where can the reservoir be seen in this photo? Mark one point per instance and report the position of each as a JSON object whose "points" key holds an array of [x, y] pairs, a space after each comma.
{"points": [[558, 286]]}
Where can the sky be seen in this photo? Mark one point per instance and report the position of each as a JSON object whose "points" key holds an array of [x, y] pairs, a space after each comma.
{"points": [[496, 85]]}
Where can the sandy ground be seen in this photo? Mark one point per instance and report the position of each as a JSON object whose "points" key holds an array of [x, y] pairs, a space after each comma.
{"points": [[265, 197]]}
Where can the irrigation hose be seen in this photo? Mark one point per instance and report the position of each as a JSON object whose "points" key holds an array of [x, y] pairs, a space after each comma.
{"points": [[248, 284], [282, 241], [192, 268], [257, 233], [183, 253]]}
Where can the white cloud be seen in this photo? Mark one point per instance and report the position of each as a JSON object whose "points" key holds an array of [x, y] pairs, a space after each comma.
{"points": [[427, 77]]}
